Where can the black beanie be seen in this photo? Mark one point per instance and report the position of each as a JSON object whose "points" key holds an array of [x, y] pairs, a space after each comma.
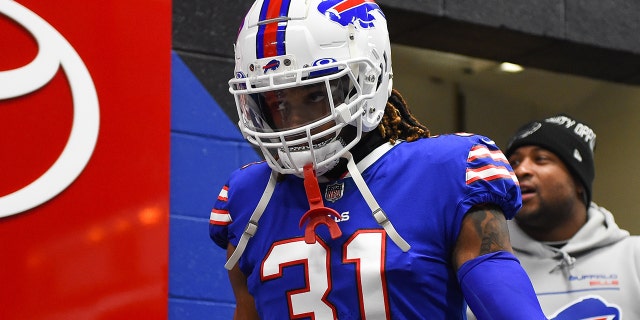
{"points": [[571, 140]]}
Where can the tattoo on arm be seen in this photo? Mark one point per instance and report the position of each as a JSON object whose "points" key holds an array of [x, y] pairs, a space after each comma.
{"points": [[484, 230], [490, 226]]}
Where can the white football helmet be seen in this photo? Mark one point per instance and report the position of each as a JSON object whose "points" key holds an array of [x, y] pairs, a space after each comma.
{"points": [[305, 70]]}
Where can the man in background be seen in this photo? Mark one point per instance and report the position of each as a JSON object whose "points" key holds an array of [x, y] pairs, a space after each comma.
{"points": [[582, 265]]}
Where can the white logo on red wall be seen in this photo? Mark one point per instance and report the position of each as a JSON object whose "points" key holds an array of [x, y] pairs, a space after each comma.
{"points": [[54, 54]]}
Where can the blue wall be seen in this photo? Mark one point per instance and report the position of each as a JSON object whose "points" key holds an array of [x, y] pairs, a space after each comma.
{"points": [[205, 147]]}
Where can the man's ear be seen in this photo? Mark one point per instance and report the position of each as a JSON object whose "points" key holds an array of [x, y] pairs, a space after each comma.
{"points": [[581, 191]]}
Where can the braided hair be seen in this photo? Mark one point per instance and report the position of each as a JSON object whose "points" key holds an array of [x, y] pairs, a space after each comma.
{"points": [[399, 123]]}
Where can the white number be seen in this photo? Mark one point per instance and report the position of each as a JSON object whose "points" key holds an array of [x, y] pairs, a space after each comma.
{"points": [[365, 249], [315, 257]]}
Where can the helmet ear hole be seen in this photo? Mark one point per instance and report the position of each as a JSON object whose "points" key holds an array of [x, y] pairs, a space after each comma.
{"points": [[387, 71], [380, 78], [390, 85]]}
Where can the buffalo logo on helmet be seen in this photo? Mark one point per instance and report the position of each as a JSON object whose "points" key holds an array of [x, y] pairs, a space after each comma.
{"points": [[350, 12], [273, 65]]}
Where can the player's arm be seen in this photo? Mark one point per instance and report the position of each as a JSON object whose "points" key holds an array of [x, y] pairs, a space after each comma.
{"points": [[484, 230], [493, 283], [245, 306]]}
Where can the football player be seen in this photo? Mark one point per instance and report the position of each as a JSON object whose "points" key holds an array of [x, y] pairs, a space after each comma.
{"points": [[356, 213]]}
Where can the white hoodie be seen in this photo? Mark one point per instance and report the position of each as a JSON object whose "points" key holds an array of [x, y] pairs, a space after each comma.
{"points": [[596, 275]]}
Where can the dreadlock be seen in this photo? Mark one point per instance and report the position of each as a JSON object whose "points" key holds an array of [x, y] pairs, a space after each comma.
{"points": [[399, 123]]}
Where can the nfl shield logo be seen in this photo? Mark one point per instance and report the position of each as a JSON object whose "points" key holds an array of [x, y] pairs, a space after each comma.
{"points": [[334, 192]]}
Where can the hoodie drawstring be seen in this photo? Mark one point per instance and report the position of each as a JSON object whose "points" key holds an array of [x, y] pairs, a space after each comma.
{"points": [[566, 262]]}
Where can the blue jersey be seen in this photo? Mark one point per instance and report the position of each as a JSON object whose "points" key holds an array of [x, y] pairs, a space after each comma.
{"points": [[425, 187]]}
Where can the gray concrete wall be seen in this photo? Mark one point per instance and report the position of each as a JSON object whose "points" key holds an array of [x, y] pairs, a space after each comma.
{"points": [[583, 37]]}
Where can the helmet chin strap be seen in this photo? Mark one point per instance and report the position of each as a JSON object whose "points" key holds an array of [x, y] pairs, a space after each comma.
{"points": [[376, 211], [252, 225], [318, 213]]}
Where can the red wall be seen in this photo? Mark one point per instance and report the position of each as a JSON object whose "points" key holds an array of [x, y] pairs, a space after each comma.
{"points": [[84, 158]]}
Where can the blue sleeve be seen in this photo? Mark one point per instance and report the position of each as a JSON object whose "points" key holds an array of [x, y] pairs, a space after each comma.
{"points": [[496, 287], [235, 203], [220, 219], [490, 178]]}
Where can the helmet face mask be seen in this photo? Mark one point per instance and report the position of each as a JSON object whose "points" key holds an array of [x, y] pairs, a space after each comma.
{"points": [[285, 106], [295, 93]]}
